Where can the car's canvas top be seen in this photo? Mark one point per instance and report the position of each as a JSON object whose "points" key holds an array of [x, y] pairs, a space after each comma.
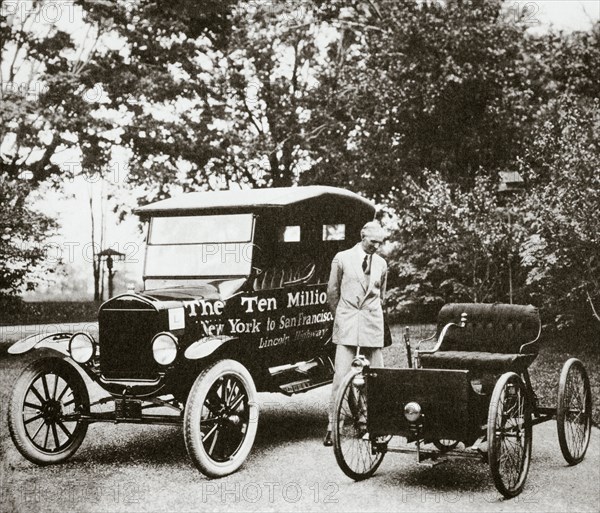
{"points": [[246, 199]]}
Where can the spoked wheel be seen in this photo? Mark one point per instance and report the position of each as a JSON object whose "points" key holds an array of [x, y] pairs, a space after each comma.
{"points": [[509, 435], [574, 411], [445, 445], [356, 455], [45, 409], [221, 418]]}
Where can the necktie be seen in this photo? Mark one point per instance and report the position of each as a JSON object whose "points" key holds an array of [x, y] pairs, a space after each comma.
{"points": [[365, 264]]}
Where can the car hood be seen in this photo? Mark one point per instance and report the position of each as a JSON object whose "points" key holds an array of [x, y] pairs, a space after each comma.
{"points": [[207, 291], [210, 291]]}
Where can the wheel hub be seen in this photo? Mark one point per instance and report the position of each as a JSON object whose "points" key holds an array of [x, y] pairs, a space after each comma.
{"points": [[233, 419], [229, 419], [52, 410]]}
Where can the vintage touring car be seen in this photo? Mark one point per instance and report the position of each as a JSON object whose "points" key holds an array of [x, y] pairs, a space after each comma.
{"points": [[234, 302]]}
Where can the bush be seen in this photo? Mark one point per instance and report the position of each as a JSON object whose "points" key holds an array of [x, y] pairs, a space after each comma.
{"points": [[19, 312], [450, 245], [562, 249]]}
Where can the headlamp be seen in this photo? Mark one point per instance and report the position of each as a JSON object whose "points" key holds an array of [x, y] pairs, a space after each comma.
{"points": [[412, 411], [164, 348], [81, 347]]}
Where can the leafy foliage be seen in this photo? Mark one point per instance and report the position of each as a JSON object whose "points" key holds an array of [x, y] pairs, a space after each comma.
{"points": [[452, 245], [422, 86], [69, 92], [418, 105], [22, 235], [267, 78], [562, 250]]}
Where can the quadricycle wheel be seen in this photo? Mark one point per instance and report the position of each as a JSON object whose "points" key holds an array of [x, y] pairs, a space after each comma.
{"points": [[509, 434], [574, 411], [356, 454]]}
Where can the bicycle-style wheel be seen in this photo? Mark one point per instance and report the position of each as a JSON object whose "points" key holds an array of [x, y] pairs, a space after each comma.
{"points": [[574, 411], [509, 435], [356, 455]]}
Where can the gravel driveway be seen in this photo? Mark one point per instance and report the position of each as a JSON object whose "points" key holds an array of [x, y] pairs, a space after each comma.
{"points": [[146, 468]]}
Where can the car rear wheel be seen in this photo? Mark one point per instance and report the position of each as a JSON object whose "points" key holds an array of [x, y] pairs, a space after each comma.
{"points": [[221, 417], [574, 411], [509, 435], [356, 454], [45, 409]]}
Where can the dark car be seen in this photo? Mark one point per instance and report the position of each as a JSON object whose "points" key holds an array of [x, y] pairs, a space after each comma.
{"points": [[234, 302]]}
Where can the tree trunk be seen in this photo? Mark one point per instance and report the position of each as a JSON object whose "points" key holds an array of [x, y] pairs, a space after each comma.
{"points": [[95, 262]]}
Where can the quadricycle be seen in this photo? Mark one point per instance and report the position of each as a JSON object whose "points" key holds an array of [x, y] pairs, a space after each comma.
{"points": [[470, 396]]}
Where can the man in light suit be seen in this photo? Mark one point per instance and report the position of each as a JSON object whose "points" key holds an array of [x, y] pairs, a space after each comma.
{"points": [[355, 294]]}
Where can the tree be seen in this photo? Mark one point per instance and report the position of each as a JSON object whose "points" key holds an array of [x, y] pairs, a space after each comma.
{"points": [[80, 97], [562, 251], [39, 108], [156, 88], [423, 86], [267, 81], [451, 245], [23, 233], [567, 62]]}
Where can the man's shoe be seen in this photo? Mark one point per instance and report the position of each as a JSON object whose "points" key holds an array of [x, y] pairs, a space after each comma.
{"points": [[328, 441]]}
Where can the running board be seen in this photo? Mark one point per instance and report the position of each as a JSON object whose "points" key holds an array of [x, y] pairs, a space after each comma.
{"points": [[302, 386], [302, 376]]}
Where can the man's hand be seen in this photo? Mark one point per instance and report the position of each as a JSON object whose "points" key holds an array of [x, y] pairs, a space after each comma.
{"points": [[333, 286]]}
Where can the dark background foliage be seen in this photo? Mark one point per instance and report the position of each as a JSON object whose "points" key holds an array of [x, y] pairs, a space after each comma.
{"points": [[420, 106]]}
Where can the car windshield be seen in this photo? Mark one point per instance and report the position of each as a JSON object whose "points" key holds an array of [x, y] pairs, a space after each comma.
{"points": [[200, 246]]}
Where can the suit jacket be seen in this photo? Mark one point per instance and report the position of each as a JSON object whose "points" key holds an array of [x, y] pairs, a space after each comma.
{"points": [[356, 299]]}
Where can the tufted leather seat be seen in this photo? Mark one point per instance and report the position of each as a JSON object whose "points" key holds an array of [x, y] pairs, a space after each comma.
{"points": [[497, 337], [276, 277]]}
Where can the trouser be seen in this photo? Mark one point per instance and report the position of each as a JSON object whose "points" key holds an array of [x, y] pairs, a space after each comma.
{"points": [[343, 363]]}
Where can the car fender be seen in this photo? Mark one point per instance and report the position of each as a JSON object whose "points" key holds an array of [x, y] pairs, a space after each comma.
{"points": [[206, 346], [57, 341]]}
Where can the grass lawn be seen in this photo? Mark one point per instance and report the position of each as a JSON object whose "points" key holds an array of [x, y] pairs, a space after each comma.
{"points": [[545, 371]]}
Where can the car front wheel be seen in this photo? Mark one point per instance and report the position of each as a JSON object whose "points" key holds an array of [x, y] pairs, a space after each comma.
{"points": [[44, 417], [221, 418]]}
